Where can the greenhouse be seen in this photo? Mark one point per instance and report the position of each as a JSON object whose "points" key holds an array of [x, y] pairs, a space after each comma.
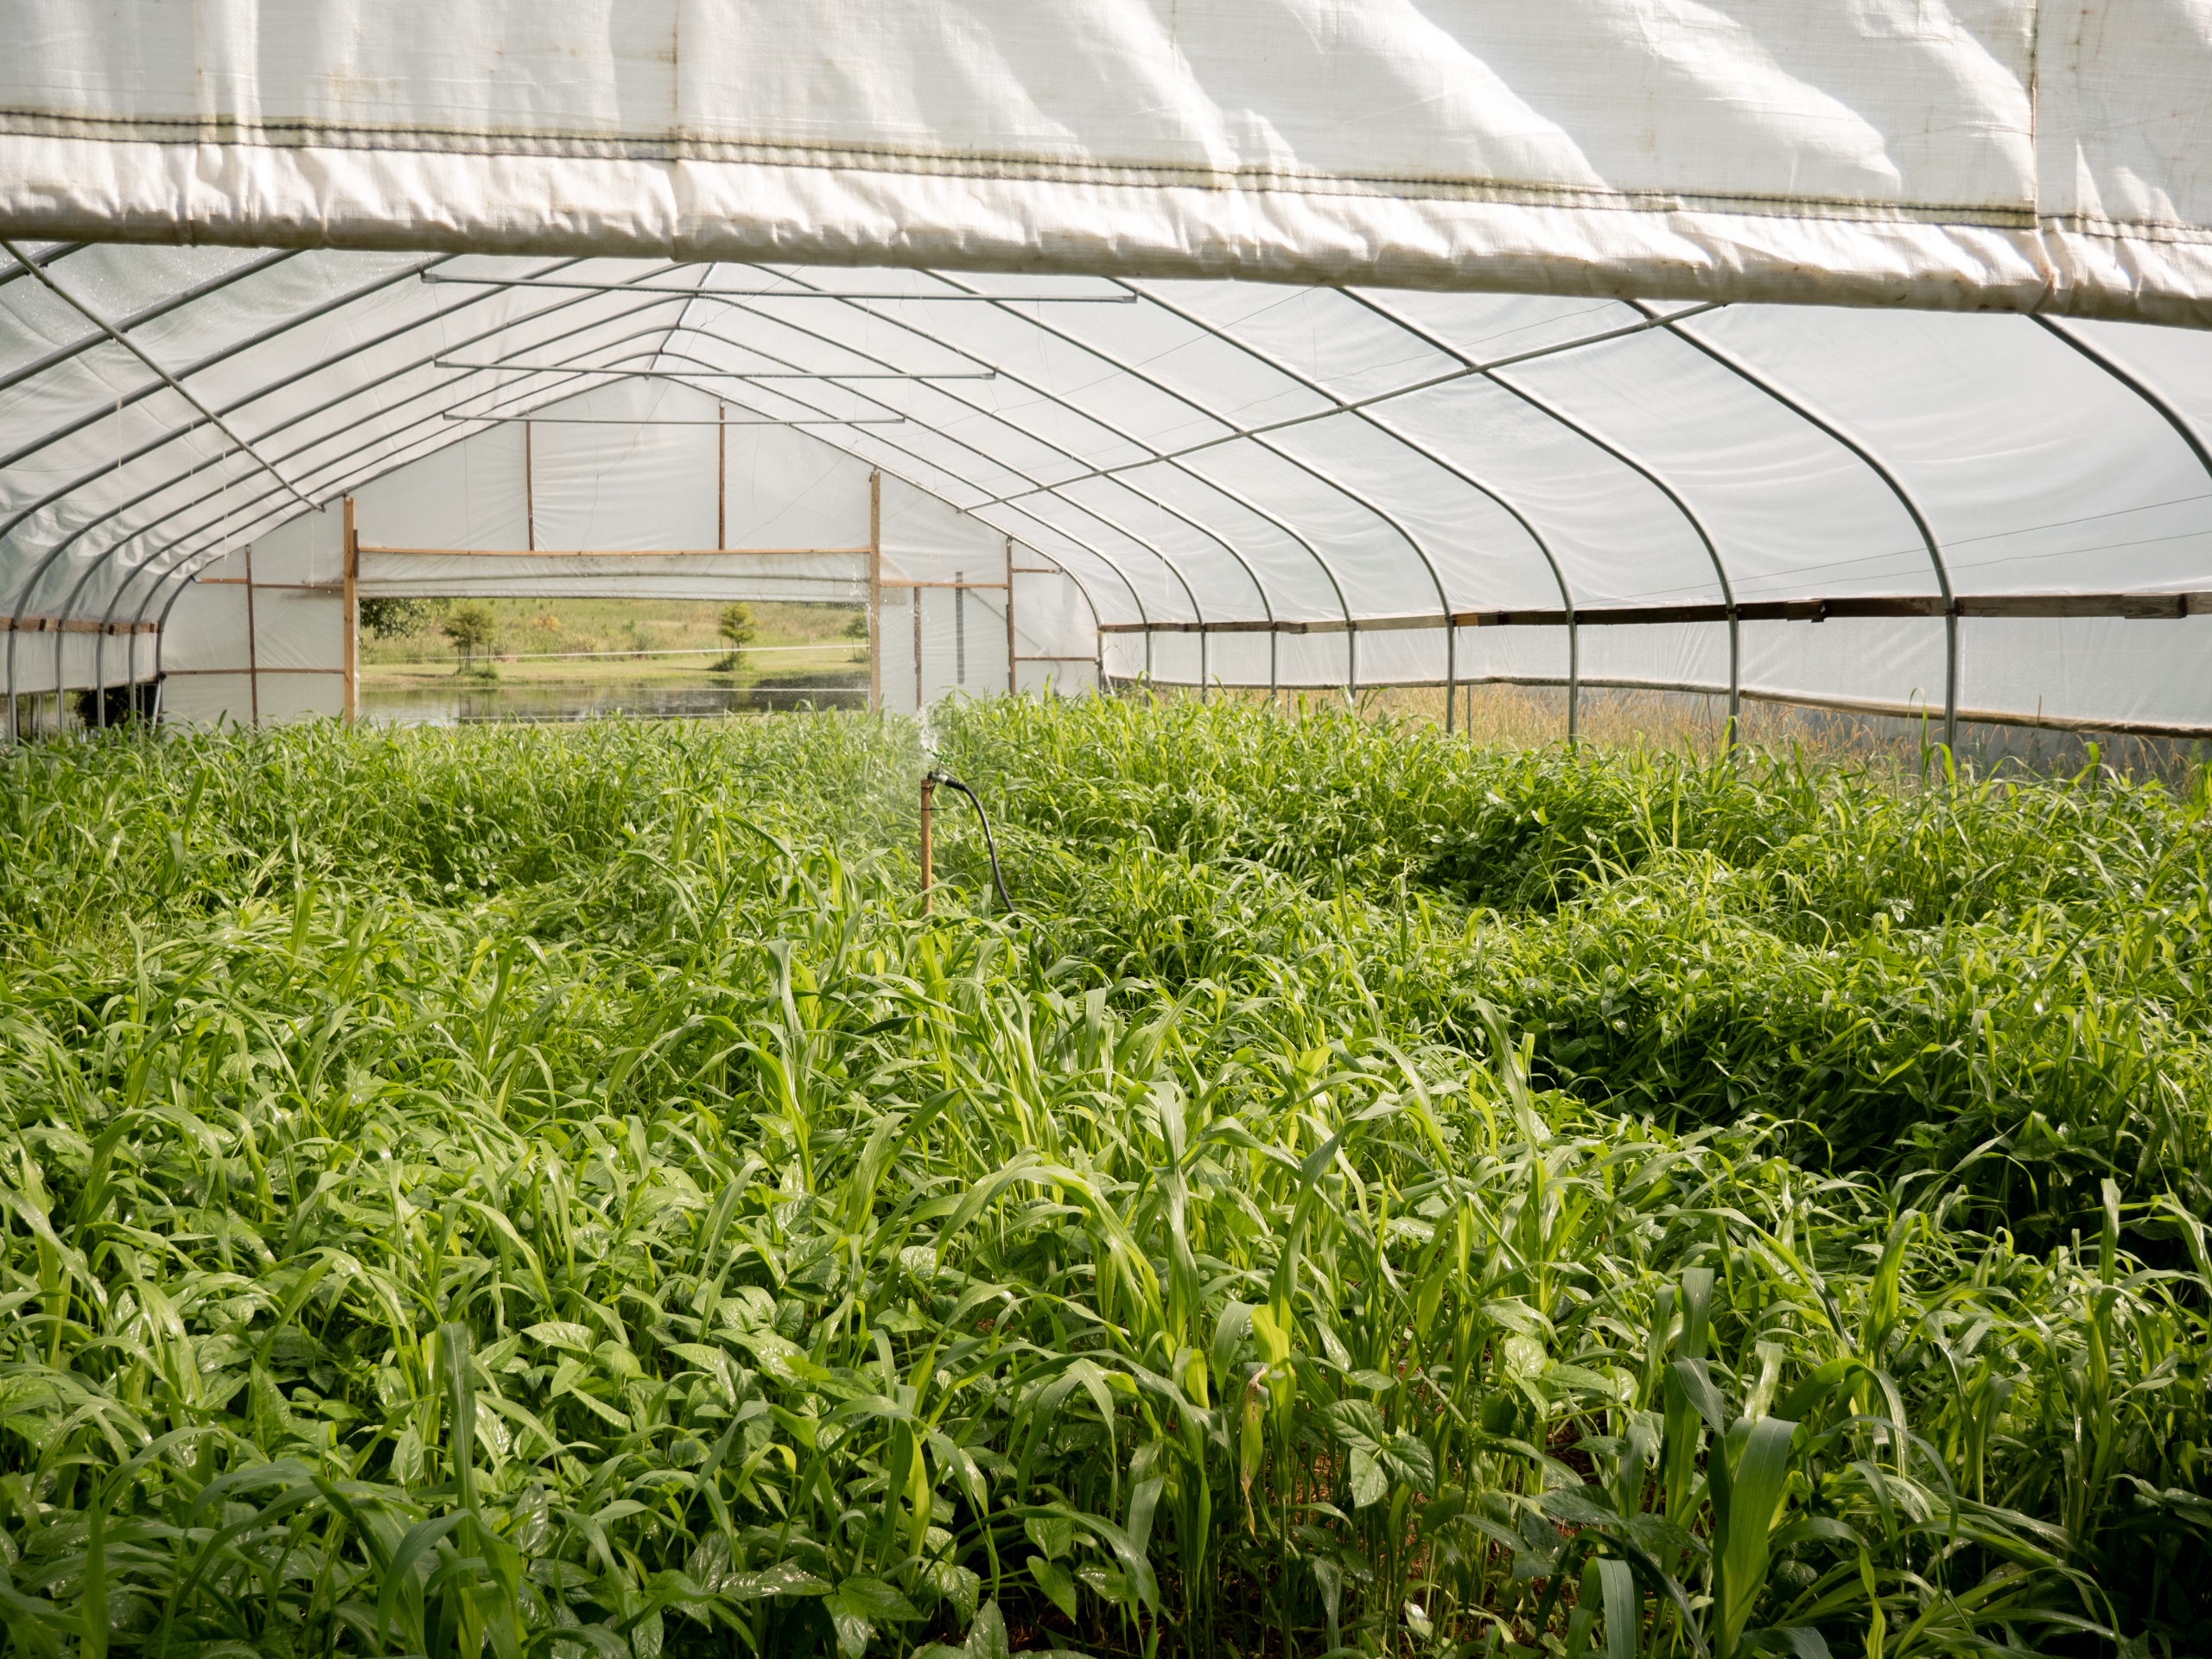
{"points": [[1169, 1127], [1811, 398]]}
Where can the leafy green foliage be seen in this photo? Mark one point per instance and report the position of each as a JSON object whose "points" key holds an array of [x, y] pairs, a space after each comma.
{"points": [[472, 628], [737, 628], [394, 618], [553, 1192]]}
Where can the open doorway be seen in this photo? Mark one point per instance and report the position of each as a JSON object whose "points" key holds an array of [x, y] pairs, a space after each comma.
{"points": [[552, 659]]}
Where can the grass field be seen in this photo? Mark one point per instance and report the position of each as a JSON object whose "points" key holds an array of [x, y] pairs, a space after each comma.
{"points": [[535, 1192], [539, 639]]}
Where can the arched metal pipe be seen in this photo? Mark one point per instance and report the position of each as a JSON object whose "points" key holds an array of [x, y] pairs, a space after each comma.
{"points": [[1351, 633], [990, 461], [262, 337], [1381, 426], [1650, 476], [1751, 377], [1551, 560], [1260, 587], [1237, 343], [1032, 386], [1166, 563], [170, 480], [167, 379], [189, 563], [2141, 388]]}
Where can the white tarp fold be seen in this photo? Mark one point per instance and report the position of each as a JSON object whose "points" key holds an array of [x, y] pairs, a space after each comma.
{"points": [[1981, 154]]}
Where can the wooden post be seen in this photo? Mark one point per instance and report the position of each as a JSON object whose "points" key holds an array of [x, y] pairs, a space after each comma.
{"points": [[722, 475], [253, 661], [928, 783], [1012, 685], [529, 495], [876, 592], [352, 566]]}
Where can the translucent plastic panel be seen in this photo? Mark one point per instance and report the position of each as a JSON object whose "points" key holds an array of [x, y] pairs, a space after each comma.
{"points": [[1224, 583], [465, 495], [1157, 585], [1197, 580], [1301, 582], [2038, 470], [2091, 669], [1379, 570], [1480, 551], [1616, 536], [1675, 653], [1888, 661], [1317, 335], [626, 473], [1781, 500], [1169, 338], [1402, 657]]}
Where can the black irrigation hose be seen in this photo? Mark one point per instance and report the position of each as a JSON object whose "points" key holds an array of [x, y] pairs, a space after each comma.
{"points": [[949, 781]]}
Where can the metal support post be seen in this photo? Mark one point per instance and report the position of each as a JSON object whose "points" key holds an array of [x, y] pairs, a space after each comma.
{"points": [[352, 619], [252, 660], [876, 592]]}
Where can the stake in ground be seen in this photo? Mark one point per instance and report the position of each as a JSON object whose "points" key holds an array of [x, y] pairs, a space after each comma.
{"points": [[536, 1192]]}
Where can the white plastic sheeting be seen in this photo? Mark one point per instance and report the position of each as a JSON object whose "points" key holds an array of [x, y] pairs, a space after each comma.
{"points": [[1826, 352], [1316, 476], [2020, 154]]}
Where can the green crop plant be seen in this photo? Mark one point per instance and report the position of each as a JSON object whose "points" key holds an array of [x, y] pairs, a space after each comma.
{"points": [[528, 1192]]}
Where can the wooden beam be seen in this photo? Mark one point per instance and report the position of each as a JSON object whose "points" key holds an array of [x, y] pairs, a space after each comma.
{"points": [[2137, 606], [529, 495], [1012, 684], [598, 553], [2149, 607], [721, 476]]}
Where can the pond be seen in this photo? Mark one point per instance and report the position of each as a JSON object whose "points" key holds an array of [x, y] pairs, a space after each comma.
{"points": [[553, 701]]}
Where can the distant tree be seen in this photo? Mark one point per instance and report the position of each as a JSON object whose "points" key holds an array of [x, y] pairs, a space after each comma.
{"points": [[394, 619], [470, 627], [857, 628], [737, 626]]}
